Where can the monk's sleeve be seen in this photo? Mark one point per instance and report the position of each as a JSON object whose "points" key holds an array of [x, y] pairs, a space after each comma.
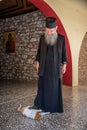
{"points": [[64, 53], [38, 52]]}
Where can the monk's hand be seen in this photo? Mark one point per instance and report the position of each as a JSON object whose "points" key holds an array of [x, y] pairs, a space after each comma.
{"points": [[37, 66], [64, 68]]}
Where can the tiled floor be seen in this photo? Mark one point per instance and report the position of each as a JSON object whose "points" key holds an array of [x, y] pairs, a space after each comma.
{"points": [[13, 93]]}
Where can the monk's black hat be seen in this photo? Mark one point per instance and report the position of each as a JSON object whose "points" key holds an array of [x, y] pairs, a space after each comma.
{"points": [[50, 22]]}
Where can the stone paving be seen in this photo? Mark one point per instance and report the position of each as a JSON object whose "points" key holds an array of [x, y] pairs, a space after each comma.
{"points": [[13, 93]]}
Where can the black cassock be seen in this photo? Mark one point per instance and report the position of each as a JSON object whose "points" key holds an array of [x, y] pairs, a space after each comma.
{"points": [[49, 95]]}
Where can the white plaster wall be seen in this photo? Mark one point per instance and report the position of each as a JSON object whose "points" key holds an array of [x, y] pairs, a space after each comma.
{"points": [[73, 15]]}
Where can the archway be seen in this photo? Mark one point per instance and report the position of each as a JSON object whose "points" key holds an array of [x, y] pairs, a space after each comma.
{"points": [[48, 11], [82, 72]]}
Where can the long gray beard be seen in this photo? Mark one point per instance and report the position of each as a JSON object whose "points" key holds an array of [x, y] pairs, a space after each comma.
{"points": [[51, 39]]}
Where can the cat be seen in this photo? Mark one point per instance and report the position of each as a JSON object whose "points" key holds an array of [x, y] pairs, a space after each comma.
{"points": [[30, 113], [36, 114]]}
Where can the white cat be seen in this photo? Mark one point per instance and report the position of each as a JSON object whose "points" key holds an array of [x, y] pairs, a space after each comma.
{"points": [[32, 113]]}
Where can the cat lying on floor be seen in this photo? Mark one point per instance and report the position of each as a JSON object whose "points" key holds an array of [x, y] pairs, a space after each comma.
{"points": [[36, 114]]}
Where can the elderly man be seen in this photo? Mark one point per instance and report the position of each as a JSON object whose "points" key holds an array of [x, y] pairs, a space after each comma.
{"points": [[51, 62]]}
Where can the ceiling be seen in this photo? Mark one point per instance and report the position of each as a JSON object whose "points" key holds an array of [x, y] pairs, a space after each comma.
{"points": [[9, 8]]}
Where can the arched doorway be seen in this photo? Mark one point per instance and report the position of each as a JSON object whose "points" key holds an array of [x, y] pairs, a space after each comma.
{"points": [[82, 72], [48, 11]]}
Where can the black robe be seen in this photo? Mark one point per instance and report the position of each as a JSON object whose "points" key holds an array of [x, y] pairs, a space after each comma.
{"points": [[49, 94]]}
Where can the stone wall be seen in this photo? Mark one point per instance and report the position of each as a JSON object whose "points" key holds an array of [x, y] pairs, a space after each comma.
{"points": [[83, 61], [20, 65]]}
